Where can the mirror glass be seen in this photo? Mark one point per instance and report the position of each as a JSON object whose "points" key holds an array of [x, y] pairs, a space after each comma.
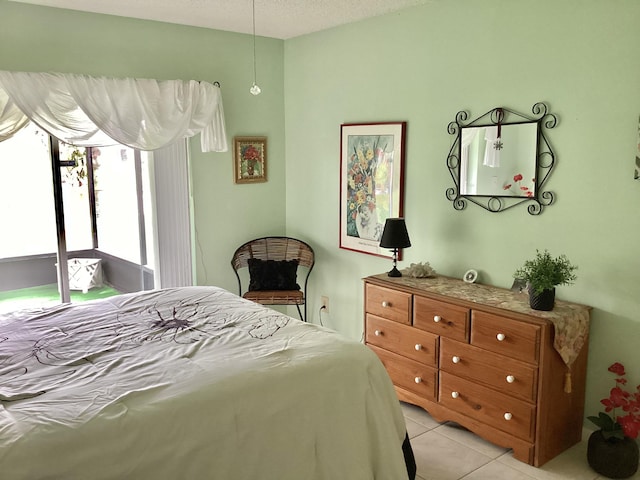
{"points": [[504, 165]]}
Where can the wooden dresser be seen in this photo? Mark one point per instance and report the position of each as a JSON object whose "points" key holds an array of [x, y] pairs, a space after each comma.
{"points": [[481, 357]]}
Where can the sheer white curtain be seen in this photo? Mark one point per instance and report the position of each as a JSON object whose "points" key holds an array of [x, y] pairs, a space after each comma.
{"points": [[11, 118], [145, 114], [97, 111]]}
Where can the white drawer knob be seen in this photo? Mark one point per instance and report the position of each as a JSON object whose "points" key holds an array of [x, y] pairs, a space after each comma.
{"points": [[417, 380], [385, 304], [455, 394], [508, 416], [437, 318], [455, 359], [500, 337], [377, 333], [511, 379], [418, 347]]}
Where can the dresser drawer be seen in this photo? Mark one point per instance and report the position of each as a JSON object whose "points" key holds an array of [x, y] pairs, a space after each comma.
{"points": [[441, 318], [514, 339], [389, 304], [409, 374], [402, 339], [496, 409], [504, 374]]}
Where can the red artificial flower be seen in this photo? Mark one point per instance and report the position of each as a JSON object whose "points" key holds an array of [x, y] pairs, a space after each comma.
{"points": [[617, 368], [620, 426], [506, 187], [630, 425], [617, 397], [517, 178]]}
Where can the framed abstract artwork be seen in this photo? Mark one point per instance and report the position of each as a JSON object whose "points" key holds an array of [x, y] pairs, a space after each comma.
{"points": [[249, 159], [371, 183]]}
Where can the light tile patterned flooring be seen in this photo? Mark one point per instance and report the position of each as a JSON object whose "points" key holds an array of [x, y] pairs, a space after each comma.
{"points": [[447, 452]]}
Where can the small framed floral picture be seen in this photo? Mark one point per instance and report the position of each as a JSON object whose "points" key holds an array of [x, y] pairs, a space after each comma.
{"points": [[371, 183], [249, 159]]}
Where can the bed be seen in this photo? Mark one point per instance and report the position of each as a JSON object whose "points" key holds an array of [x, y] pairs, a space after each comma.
{"points": [[191, 383]]}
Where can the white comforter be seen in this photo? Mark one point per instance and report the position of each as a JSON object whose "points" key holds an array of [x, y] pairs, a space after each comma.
{"points": [[192, 383]]}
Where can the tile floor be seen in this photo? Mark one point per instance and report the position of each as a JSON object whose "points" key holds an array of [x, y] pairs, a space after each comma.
{"points": [[448, 452]]}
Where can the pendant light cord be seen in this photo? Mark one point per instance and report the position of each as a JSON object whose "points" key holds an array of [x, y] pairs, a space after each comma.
{"points": [[253, 16], [255, 89]]}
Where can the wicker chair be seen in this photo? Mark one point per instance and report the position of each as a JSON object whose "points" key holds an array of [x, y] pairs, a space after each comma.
{"points": [[278, 249]]}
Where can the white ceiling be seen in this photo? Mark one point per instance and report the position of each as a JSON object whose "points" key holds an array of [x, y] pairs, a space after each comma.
{"points": [[274, 18]]}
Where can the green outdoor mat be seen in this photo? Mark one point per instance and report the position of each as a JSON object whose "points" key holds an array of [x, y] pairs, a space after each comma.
{"points": [[47, 295]]}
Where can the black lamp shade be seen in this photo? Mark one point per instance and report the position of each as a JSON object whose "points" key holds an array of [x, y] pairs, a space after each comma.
{"points": [[395, 234]]}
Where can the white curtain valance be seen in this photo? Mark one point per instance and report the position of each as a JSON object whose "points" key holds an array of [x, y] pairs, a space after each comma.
{"points": [[11, 118], [96, 111]]}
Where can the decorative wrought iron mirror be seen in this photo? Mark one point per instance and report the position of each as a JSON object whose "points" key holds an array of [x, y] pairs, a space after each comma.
{"points": [[501, 159]]}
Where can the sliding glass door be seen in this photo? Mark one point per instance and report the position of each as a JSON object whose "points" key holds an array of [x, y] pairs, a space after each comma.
{"points": [[67, 211], [116, 202], [27, 214], [124, 204], [76, 180], [64, 208]]}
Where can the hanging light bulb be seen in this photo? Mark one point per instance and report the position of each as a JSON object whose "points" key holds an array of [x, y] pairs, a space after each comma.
{"points": [[255, 89]]}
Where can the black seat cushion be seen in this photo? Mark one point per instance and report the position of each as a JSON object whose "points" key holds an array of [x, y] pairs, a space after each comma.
{"points": [[272, 274]]}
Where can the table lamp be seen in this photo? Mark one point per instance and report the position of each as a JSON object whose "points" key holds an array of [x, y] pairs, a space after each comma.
{"points": [[395, 236]]}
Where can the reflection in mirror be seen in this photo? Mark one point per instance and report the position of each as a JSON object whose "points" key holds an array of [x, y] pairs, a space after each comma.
{"points": [[498, 166], [501, 159]]}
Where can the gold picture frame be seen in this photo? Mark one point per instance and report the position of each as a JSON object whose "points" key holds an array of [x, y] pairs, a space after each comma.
{"points": [[249, 159]]}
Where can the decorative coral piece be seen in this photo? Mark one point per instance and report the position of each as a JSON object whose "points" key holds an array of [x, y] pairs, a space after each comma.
{"points": [[419, 270]]}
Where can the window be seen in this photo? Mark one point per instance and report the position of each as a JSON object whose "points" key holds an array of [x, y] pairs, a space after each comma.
{"points": [[75, 175], [103, 193], [116, 199], [26, 195]]}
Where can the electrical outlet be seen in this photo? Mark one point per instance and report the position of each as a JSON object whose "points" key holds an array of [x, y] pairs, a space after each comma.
{"points": [[324, 300]]}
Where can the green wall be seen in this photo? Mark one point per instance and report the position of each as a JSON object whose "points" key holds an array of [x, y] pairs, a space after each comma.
{"points": [[425, 64], [36, 38]]}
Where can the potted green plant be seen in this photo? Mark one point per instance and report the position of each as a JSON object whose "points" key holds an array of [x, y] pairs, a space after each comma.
{"points": [[612, 450], [542, 274]]}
